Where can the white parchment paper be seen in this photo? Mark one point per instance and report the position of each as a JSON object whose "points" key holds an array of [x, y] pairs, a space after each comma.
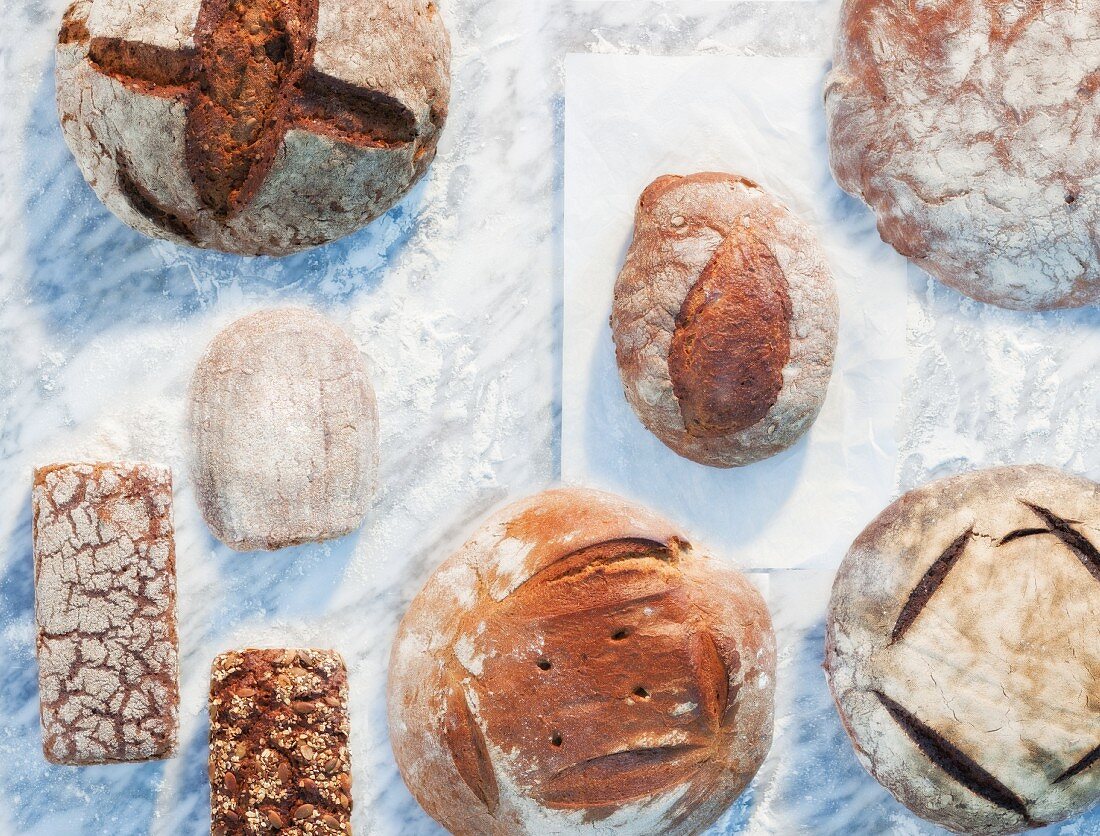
{"points": [[629, 119]]}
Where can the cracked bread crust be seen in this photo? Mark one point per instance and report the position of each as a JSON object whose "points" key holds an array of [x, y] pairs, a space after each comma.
{"points": [[970, 127], [962, 653], [279, 755], [724, 320], [284, 431], [260, 127], [579, 667], [105, 606]]}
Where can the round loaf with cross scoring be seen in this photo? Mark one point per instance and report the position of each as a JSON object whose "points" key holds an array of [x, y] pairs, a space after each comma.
{"points": [[252, 126], [579, 667], [962, 648], [724, 320], [971, 128]]}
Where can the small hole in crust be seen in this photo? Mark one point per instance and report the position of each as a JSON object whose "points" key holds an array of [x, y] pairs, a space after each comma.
{"points": [[1071, 198], [641, 693], [555, 739], [544, 664], [277, 48], [620, 634]]}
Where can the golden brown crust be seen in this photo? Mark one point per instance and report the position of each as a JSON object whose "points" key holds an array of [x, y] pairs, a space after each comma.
{"points": [[584, 668], [732, 339], [279, 757], [724, 320]]}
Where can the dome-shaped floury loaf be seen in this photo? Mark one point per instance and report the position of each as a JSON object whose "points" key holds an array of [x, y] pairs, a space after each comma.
{"points": [[972, 128], [284, 431], [252, 126], [578, 667], [962, 648]]}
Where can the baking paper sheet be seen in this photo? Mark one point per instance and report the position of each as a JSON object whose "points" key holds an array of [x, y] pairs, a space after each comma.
{"points": [[629, 119]]}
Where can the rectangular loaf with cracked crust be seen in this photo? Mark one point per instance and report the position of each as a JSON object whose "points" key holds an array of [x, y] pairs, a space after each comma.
{"points": [[279, 756], [105, 607]]}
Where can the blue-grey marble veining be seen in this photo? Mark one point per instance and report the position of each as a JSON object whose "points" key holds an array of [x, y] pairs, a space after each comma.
{"points": [[455, 298]]}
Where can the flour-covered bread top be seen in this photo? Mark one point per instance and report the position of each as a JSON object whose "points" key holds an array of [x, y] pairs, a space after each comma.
{"points": [[579, 667], [284, 431], [971, 128], [105, 606], [962, 648], [258, 127], [724, 320]]}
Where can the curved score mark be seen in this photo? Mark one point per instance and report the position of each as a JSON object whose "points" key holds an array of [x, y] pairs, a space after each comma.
{"points": [[466, 743], [927, 586], [622, 776], [952, 760], [1061, 528], [1079, 767], [597, 555], [712, 678], [143, 202]]}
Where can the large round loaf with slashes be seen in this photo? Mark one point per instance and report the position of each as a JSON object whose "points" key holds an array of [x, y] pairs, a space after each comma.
{"points": [[284, 431], [972, 128], [252, 126], [963, 653], [579, 667], [724, 320]]}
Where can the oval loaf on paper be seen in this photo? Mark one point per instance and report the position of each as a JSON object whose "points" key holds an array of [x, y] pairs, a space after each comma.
{"points": [[284, 431], [962, 648], [972, 129], [724, 320], [255, 127], [579, 667]]}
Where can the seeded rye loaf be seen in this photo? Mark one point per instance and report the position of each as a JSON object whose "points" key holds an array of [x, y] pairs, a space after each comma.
{"points": [[252, 126], [724, 320], [279, 757], [105, 606], [284, 431], [962, 648], [580, 667]]}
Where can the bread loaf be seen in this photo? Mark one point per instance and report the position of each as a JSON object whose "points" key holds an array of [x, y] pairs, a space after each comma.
{"points": [[105, 605], [284, 431], [724, 320], [580, 667], [962, 649], [252, 126], [972, 129], [279, 757]]}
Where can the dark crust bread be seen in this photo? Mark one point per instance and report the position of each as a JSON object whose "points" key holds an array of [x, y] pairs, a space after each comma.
{"points": [[724, 320], [732, 339], [246, 77], [960, 653], [105, 605], [279, 757], [579, 665]]}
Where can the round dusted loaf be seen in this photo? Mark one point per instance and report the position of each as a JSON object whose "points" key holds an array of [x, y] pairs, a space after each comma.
{"points": [[578, 667], [962, 648], [252, 126], [724, 320], [284, 431], [972, 128]]}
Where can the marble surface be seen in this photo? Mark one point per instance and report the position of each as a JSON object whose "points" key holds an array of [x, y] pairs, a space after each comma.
{"points": [[455, 297]]}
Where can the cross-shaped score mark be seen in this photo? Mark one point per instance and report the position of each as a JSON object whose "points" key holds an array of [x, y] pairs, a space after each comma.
{"points": [[248, 81]]}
